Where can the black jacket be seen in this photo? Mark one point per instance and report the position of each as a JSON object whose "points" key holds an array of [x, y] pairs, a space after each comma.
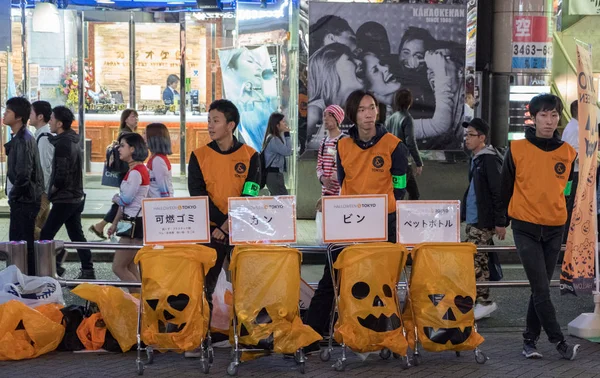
{"points": [[486, 176], [399, 157], [509, 174], [24, 169], [66, 182], [197, 185]]}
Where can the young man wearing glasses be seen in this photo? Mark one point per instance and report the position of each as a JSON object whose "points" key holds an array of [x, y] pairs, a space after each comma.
{"points": [[481, 207]]}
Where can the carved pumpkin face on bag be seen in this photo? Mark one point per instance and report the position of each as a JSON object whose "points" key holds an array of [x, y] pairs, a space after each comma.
{"points": [[169, 308], [453, 309], [379, 306], [261, 330]]}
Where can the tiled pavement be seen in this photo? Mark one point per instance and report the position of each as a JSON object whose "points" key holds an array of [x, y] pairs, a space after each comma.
{"points": [[502, 348]]}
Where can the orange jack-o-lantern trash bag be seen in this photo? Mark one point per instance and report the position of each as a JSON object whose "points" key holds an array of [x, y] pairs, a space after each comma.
{"points": [[369, 316], [26, 333], [266, 287], [442, 293], [175, 314]]}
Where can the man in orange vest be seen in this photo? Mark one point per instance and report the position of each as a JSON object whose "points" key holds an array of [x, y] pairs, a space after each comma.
{"points": [[536, 176], [370, 161]]}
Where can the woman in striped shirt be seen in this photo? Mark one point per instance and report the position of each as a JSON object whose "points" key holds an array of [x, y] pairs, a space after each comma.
{"points": [[333, 116], [159, 166], [133, 190]]}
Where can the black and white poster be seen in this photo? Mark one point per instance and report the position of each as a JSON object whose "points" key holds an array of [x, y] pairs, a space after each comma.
{"points": [[382, 48]]}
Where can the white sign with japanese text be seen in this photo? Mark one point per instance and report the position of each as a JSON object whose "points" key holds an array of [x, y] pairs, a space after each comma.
{"points": [[428, 221], [176, 220], [348, 219], [269, 220]]}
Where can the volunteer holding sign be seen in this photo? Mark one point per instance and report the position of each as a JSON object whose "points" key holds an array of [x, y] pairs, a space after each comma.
{"points": [[371, 161]]}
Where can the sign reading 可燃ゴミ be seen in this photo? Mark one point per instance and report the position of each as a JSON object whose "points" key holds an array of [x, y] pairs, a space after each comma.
{"points": [[176, 220]]}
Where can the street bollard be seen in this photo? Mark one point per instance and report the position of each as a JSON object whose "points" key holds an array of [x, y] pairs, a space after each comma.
{"points": [[45, 258], [16, 254]]}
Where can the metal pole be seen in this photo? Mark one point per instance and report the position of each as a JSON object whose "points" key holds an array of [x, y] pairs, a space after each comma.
{"points": [[45, 258], [25, 87], [182, 93], [132, 102], [16, 253], [81, 83]]}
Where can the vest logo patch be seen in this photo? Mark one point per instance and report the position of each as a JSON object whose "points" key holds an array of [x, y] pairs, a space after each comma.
{"points": [[560, 168], [378, 162], [240, 168]]}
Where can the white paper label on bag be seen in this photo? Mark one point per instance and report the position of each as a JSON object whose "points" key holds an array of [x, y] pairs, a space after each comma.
{"points": [[176, 220], [428, 221], [348, 219], [269, 220]]}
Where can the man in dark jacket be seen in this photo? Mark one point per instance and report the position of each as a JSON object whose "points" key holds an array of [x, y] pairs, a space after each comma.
{"points": [[66, 189], [481, 207], [24, 178]]}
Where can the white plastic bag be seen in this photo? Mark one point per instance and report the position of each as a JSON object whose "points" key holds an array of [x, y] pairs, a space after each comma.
{"points": [[30, 290], [319, 227], [221, 319]]}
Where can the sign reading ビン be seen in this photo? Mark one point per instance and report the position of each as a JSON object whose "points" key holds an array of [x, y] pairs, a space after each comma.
{"points": [[532, 43], [428, 221], [348, 219], [262, 220], [176, 220]]}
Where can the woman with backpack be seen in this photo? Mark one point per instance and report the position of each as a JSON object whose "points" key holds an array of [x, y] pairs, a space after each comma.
{"points": [[277, 145]]}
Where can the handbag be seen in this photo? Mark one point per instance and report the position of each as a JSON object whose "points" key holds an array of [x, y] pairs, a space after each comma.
{"points": [[126, 226]]}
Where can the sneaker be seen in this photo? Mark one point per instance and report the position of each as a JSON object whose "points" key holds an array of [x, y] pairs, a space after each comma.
{"points": [[484, 311], [530, 350], [196, 353], [566, 350], [87, 274]]}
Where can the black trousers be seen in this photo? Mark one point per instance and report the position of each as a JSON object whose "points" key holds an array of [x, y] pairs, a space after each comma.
{"points": [[412, 188], [570, 203], [22, 227], [212, 276], [318, 315], [539, 253], [69, 215]]}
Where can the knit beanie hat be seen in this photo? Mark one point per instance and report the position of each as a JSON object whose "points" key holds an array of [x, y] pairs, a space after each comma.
{"points": [[337, 112]]}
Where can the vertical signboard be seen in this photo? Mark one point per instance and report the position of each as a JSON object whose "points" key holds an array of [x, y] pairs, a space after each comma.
{"points": [[532, 43]]}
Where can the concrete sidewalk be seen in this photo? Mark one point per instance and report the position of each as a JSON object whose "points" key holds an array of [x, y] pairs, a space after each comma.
{"points": [[502, 348]]}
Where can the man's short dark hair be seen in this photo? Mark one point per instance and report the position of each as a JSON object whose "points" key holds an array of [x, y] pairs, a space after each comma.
{"points": [[136, 141], [414, 33], [575, 109], [42, 108], [172, 79], [229, 110], [64, 115], [353, 102], [21, 107], [403, 99], [545, 102], [326, 25]]}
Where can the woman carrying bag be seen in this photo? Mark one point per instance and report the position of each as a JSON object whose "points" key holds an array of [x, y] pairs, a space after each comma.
{"points": [[277, 145], [128, 221]]}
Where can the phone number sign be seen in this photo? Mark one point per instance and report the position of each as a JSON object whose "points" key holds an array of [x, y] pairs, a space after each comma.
{"points": [[531, 43]]}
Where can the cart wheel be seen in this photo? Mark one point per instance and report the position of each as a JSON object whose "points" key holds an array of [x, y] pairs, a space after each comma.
{"points": [[232, 369], [396, 356], [140, 367], [339, 365], [416, 360], [211, 355], [205, 366], [480, 357], [405, 364], [149, 356], [457, 354], [385, 354], [325, 355], [301, 368]]}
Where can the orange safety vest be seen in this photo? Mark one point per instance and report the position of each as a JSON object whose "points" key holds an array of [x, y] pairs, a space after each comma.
{"points": [[368, 171], [540, 181], [224, 174]]}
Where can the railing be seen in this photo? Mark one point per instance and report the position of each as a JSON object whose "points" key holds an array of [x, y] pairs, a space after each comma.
{"points": [[45, 257]]}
